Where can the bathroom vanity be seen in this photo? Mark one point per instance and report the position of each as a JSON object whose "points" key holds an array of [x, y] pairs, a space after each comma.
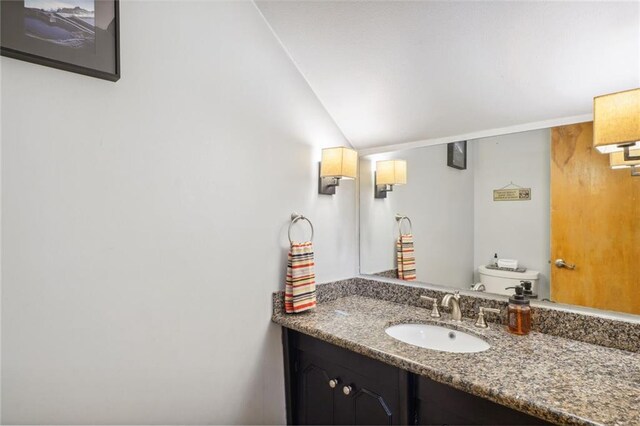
{"points": [[341, 367]]}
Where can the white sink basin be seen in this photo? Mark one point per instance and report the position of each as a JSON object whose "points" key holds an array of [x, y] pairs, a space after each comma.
{"points": [[437, 338]]}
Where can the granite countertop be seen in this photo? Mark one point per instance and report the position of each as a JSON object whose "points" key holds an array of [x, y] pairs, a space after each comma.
{"points": [[560, 380]]}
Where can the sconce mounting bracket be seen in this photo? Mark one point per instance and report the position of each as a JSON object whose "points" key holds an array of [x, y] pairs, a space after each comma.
{"points": [[327, 185], [381, 190]]}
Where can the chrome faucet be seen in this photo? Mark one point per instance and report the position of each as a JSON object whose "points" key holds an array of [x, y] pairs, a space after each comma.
{"points": [[453, 301]]}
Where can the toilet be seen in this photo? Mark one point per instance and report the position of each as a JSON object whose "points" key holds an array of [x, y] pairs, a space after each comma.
{"points": [[495, 280]]}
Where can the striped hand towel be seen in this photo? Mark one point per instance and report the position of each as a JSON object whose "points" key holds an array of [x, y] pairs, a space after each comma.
{"points": [[406, 258], [300, 289]]}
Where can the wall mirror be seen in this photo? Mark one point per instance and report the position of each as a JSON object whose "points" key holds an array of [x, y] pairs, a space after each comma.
{"points": [[544, 198]]}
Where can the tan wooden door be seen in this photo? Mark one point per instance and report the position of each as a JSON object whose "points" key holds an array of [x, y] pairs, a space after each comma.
{"points": [[595, 224]]}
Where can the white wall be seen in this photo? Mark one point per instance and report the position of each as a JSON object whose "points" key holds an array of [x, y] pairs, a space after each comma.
{"points": [[145, 223], [439, 201], [515, 230]]}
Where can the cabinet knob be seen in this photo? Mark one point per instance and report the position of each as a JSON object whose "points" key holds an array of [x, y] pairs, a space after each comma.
{"points": [[347, 390], [333, 383]]}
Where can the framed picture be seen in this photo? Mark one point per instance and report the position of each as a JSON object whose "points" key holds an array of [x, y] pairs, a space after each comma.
{"points": [[80, 36], [457, 155]]}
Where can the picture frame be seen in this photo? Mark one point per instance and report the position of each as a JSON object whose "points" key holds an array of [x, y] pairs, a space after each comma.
{"points": [[457, 155], [80, 36]]}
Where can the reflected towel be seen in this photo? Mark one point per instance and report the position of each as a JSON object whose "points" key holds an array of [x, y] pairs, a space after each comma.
{"points": [[508, 263], [300, 289], [406, 258]]}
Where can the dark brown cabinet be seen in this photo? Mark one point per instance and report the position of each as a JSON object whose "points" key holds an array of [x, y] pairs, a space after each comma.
{"points": [[315, 397], [329, 385], [438, 404]]}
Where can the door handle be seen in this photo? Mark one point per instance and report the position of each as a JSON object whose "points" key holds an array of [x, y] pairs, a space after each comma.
{"points": [[562, 264], [333, 383]]}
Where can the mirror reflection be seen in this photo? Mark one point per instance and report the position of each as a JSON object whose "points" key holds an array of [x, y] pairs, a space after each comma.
{"points": [[541, 207]]}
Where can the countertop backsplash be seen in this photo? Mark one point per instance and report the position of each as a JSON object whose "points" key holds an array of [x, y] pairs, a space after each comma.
{"points": [[583, 327]]}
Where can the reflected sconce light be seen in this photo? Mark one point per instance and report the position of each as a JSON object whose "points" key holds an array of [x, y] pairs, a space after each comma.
{"points": [[337, 163], [616, 124], [617, 161], [387, 174]]}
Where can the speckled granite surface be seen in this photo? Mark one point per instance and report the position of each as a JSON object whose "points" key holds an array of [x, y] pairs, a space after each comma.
{"points": [[612, 333], [594, 329], [560, 380]]}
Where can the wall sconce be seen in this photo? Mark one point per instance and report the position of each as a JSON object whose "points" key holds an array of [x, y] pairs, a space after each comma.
{"points": [[389, 173], [617, 161], [337, 163], [616, 123]]}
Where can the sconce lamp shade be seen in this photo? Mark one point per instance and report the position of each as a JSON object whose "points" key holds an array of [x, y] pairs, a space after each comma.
{"points": [[617, 161], [616, 121], [339, 162], [391, 172]]}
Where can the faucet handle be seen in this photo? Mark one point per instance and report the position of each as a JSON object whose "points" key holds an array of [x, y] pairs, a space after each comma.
{"points": [[481, 323], [435, 313], [478, 287]]}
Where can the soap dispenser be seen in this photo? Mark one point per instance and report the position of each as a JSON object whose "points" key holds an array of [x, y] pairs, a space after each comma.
{"points": [[519, 319], [527, 289]]}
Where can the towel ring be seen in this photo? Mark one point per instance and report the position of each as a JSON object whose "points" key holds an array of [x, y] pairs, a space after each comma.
{"points": [[296, 217], [400, 218]]}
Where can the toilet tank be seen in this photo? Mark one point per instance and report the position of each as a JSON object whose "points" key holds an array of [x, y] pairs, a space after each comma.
{"points": [[496, 280]]}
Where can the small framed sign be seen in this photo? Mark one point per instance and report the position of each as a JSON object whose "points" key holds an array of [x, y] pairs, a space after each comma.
{"points": [[512, 194], [457, 155]]}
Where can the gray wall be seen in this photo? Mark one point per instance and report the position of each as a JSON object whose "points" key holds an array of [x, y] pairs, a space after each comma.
{"points": [[514, 229], [439, 201], [145, 223]]}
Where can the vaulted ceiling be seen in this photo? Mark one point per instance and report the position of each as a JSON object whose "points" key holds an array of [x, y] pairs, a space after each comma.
{"points": [[394, 72]]}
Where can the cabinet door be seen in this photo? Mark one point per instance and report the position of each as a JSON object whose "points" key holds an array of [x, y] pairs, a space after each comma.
{"points": [[378, 393], [368, 403], [439, 404], [314, 399]]}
